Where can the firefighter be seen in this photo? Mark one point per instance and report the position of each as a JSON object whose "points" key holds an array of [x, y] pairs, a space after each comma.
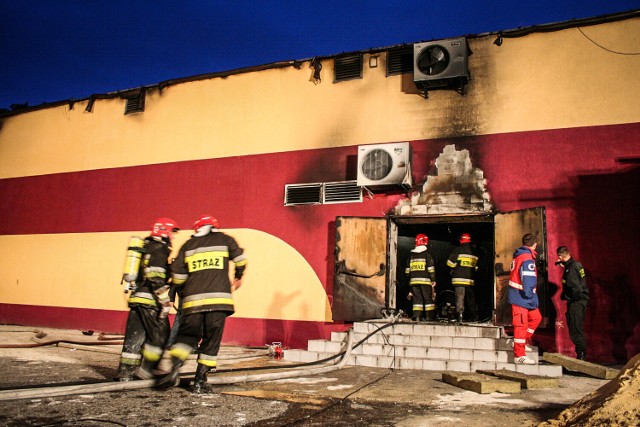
{"points": [[422, 279], [147, 326], [576, 293], [201, 272], [523, 280], [463, 265]]}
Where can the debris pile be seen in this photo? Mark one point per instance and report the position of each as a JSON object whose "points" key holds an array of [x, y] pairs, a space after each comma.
{"points": [[615, 404]]}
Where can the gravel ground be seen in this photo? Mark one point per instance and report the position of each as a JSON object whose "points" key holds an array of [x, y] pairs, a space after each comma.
{"points": [[353, 396]]}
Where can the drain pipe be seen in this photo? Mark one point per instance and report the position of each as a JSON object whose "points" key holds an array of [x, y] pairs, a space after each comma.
{"points": [[40, 393]]}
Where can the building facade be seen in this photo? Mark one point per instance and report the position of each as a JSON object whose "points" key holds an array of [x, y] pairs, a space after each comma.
{"points": [[550, 119]]}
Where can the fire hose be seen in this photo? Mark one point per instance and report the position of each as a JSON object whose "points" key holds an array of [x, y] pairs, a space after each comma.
{"points": [[35, 393]]}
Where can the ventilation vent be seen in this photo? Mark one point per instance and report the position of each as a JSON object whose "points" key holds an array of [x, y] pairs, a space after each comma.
{"points": [[400, 60], [342, 192], [347, 68], [302, 194], [135, 104], [322, 193]]}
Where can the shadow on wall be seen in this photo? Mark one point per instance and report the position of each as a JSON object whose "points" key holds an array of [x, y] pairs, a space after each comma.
{"points": [[608, 227]]}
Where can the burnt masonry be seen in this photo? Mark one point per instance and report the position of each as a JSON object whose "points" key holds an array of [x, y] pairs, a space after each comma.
{"points": [[457, 187]]}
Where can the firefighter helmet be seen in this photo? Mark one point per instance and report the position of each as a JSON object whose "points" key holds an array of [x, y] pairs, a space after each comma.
{"points": [[465, 238], [206, 220], [163, 227], [422, 240]]}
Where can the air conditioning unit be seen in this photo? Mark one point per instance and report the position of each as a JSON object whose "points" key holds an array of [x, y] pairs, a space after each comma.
{"points": [[441, 64], [384, 165]]}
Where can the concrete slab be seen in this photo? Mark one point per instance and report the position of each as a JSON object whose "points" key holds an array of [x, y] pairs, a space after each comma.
{"points": [[479, 383], [529, 382], [576, 365]]}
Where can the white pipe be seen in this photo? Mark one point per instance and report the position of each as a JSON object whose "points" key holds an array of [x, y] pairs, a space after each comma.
{"points": [[39, 393]]}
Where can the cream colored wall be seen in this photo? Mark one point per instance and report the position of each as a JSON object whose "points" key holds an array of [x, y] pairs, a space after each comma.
{"points": [[541, 81], [84, 270]]}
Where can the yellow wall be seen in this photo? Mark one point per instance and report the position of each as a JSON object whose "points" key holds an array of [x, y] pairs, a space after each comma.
{"points": [[541, 81], [91, 255]]}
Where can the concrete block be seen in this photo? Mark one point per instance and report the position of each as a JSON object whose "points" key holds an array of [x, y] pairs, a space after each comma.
{"points": [[372, 349], [528, 369], [576, 365], [461, 354], [409, 363], [464, 342], [434, 365], [530, 382], [309, 356], [479, 366], [438, 353], [333, 347], [362, 360], [485, 356], [480, 383], [416, 352], [442, 341], [317, 345], [292, 355], [459, 365], [338, 336], [550, 370]]}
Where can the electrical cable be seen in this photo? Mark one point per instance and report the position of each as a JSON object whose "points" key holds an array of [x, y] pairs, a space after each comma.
{"points": [[604, 48]]}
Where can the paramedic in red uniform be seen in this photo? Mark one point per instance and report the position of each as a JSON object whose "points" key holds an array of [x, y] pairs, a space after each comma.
{"points": [[201, 273], [422, 279], [147, 327], [522, 296]]}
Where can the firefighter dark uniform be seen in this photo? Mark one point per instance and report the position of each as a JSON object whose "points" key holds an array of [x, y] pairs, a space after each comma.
{"points": [[147, 326], [201, 272], [463, 266], [422, 279], [576, 293]]}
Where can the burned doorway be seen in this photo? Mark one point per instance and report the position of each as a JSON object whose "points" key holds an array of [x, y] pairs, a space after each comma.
{"points": [[444, 232]]}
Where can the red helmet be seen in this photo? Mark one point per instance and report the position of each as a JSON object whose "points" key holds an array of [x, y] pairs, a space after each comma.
{"points": [[206, 220], [163, 227], [465, 238], [422, 240]]}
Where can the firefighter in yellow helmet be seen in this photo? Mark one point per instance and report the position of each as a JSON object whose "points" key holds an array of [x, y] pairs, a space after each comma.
{"points": [[463, 266], [147, 327], [201, 273], [422, 279]]}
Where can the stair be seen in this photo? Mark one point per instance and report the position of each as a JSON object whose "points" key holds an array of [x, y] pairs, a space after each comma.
{"points": [[429, 346]]}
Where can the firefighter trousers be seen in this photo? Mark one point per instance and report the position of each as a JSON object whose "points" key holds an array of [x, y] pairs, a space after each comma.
{"points": [[207, 326], [423, 304], [575, 322], [466, 298], [144, 328], [525, 322]]}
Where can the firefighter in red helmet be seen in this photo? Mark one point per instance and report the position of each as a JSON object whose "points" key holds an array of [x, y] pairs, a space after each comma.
{"points": [[463, 265], [201, 273], [148, 325], [422, 279]]}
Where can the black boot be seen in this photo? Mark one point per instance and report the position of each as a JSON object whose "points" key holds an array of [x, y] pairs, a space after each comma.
{"points": [[126, 372], [580, 355], [145, 371], [460, 316], [172, 378], [200, 383]]}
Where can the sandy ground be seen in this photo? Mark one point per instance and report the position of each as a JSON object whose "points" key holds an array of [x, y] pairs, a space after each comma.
{"points": [[352, 396]]}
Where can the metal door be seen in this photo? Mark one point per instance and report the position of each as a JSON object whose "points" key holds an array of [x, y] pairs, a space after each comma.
{"points": [[509, 229], [360, 268]]}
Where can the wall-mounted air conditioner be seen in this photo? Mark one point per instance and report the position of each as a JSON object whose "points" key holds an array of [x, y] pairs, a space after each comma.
{"points": [[384, 165], [441, 64]]}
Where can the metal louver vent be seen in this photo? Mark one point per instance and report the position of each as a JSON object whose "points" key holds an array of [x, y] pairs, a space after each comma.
{"points": [[322, 193], [302, 194], [347, 67], [341, 192], [400, 60], [135, 104]]}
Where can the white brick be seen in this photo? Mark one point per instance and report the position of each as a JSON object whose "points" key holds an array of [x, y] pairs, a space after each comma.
{"points": [[434, 365], [463, 342], [316, 345], [458, 366], [439, 353], [460, 354], [371, 361], [293, 355], [483, 366], [485, 356], [408, 363], [309, 356], [415, 352], [442, 342]]}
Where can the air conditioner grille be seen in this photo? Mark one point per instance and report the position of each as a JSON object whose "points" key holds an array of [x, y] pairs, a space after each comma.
{"points": [[376, 164], [340, 192], [135, 104], [302, 194]]}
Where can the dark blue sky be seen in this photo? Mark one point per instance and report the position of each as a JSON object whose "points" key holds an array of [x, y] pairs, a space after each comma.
{"points": [[64, 49]]}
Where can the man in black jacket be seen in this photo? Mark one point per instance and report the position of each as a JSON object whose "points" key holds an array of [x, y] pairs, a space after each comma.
{"points": [[576, 293]]}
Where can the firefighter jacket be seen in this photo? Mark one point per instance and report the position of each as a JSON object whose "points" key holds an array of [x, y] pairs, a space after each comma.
{"points": [[574, 285], [154, 272], [421, 267], [201, 272], [463, 264], [523, 279]]}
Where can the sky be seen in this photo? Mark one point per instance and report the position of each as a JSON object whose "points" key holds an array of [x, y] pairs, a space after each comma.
{"points": [[70, 49]]}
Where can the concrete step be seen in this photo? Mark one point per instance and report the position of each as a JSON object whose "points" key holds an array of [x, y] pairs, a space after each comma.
{"points": [[426, 346]]}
